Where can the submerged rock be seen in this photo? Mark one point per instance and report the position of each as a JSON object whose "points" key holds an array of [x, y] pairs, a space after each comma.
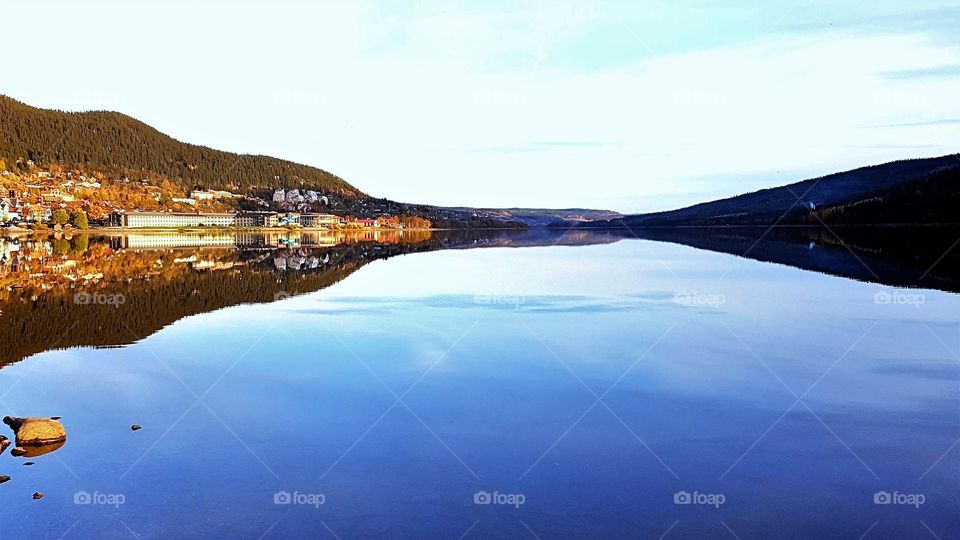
{"points": [[4, 478], [37, 495], [36, 431], [26, 463], [136, 427]]}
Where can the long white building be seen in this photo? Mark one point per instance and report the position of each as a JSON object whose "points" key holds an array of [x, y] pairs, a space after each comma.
{"points": [[171, 219]]}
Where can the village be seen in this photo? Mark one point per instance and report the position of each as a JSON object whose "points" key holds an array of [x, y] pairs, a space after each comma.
{"points": [[37, 199]]}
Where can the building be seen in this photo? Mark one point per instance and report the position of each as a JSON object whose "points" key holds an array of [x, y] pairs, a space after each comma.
{"points": [[316, 221], [208, 195], [171, 219], [35, 212], [55, 195], [257, 219], [8, 212]]}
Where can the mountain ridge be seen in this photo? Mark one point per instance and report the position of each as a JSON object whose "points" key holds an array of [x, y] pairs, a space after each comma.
{"points": [[872, 194]]}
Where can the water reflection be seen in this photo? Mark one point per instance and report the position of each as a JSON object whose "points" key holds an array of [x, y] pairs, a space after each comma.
{"points": [[82, 290]]}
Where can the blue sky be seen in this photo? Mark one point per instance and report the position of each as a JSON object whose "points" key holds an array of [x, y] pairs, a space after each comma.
{"points": [[628, 105]]}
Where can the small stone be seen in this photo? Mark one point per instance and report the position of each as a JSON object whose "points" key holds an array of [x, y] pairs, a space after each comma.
{"points": [[136, 427], [28, 463], [4, 478], [18, 451], [37, 495], [56, 417]]}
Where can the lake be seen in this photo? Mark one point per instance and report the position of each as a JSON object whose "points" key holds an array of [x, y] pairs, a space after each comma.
{"points": [[541, 385]]}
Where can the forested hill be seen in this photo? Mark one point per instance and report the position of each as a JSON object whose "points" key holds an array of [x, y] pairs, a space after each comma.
{"points": [[915, 191], [118, 144]]}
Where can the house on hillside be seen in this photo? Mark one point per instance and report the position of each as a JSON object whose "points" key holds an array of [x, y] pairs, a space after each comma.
{"points": [[8, 212], [35, 212]]}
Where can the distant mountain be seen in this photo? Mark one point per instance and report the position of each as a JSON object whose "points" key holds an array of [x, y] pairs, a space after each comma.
{"points": [[531, 217], [917, 191], [114, 143]]}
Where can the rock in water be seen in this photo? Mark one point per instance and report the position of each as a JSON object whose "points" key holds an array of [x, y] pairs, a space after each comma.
{"points": [[37, 496], [36, 431], [4, 478], [4, 443], [135, 427], [17, 452]]}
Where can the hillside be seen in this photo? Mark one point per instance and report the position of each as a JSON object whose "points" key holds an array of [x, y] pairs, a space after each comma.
{"points": [[114, 143], [933, 199], [919, 191], [136, 167]]}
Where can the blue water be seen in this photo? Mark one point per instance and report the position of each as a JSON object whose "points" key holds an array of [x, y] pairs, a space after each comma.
{"points": [[591, 384]]}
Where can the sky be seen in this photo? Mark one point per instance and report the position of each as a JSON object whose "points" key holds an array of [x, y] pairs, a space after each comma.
{"points": [[627, 105]]}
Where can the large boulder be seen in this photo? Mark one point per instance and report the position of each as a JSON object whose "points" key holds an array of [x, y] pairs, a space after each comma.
{"points": [[36, 431]]}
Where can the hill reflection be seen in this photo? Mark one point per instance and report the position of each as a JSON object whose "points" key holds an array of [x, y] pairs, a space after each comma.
{"points": [[107, 291]]}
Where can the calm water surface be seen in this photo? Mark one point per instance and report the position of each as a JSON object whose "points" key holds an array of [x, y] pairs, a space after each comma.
{"points": [[588, 387]]}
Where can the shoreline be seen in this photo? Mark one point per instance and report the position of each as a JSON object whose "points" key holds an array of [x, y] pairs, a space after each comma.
{"points": [[124, 231], [108, 231]]}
